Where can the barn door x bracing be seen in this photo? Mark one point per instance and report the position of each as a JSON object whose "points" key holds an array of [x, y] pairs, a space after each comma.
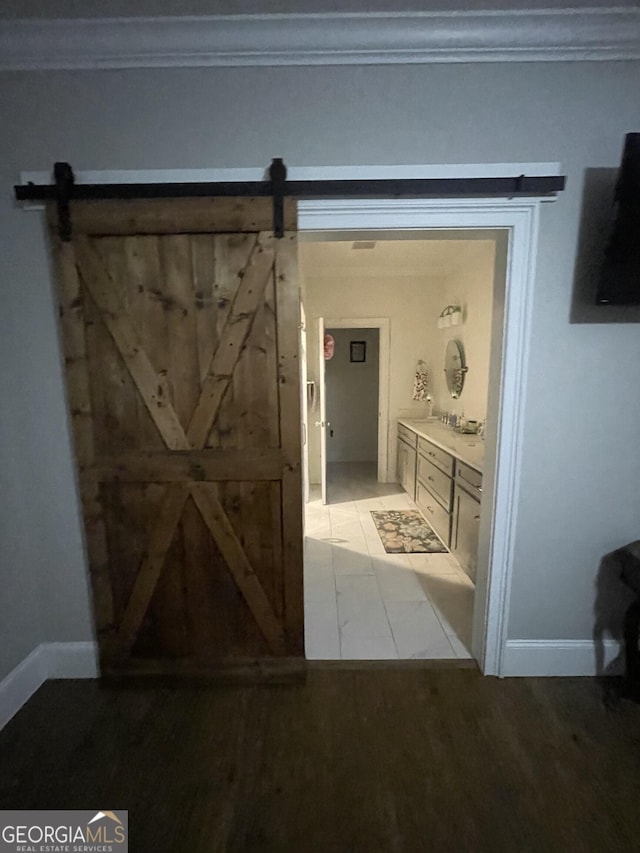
{"points": [[180, 329]]}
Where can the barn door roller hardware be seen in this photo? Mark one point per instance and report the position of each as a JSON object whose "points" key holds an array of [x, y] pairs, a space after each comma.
{"points": [[63, 176], [278, 175], [65, 190]]}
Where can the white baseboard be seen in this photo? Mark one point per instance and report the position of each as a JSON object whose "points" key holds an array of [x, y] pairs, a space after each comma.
{"points": [[21, 683], [71, 660], [555, 657], [80, 660], [48, 660]]}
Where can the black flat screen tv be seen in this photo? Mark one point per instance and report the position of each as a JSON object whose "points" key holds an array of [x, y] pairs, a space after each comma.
{"points": [[619, 282]]}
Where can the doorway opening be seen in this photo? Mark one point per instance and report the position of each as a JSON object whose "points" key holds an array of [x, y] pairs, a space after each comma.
{"points": [[352, 379], [365, 597], [362, 407]]}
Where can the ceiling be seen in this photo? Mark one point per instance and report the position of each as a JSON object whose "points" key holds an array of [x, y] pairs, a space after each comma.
{"points": [[390, 258]]}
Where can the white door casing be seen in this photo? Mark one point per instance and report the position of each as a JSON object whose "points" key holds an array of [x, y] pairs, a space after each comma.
{"points": [[322, 423], [501, 482], [304, 404]]}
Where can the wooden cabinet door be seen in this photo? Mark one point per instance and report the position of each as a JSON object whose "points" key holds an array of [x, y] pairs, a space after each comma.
{"points": [[401, 463], [466, 524], [406, 465], [410, 473], [180, 327]]}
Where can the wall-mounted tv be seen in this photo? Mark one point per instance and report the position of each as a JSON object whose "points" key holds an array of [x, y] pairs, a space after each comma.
{"points": [[619, 282]]}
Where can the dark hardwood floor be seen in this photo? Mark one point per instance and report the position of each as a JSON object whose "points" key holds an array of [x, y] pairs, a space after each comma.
{"points": [[369, 761]]}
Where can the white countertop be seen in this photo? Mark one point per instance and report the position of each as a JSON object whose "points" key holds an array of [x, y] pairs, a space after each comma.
{"points": [[467, 448]]}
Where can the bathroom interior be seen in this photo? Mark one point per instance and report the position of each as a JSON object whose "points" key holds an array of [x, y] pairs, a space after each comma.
{"points": [[400, 335]]}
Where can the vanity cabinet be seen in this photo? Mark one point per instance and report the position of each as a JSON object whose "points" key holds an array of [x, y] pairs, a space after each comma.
{"points": [[466, 517], [466, 524], [469, 479], [406, 461], [446, 489], [436, 455], [434, 487], [438, 517]]}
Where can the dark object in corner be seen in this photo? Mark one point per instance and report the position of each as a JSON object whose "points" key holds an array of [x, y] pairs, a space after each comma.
{"points": [[628, 559], [620, 276]]}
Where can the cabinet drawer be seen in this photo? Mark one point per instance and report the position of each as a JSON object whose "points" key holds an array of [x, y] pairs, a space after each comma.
{"points": [[469, 479], [437, 517], [407, 435], [436, 481], [438, 457]]}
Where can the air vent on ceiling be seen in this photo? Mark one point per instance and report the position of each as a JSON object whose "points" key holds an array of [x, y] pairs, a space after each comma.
{"points": [[364, 244]]}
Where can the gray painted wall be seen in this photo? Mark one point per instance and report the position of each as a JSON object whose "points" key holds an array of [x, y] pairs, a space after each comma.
{"points": [[579, 463]]}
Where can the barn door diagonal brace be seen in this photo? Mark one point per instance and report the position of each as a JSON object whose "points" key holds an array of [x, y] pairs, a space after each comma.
{"points": [[63, 176]]}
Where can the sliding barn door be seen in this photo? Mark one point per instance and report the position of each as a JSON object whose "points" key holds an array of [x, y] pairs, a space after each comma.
{"points": [[180, 328]]}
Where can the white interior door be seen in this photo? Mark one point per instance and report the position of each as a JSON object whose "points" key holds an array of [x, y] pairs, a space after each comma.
{"points": [[322, 423], [381, 323], [304, 407]]}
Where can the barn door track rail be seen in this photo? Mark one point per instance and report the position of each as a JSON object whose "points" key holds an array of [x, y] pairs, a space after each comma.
{"points": [[64, 190]]}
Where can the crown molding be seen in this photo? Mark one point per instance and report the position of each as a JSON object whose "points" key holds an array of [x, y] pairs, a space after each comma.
{"points": [[321, 39]]}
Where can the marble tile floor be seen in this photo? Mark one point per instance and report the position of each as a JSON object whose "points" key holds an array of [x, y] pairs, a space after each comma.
{"points": [[364, 604]]}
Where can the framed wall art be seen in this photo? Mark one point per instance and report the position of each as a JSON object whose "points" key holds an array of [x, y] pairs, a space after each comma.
{"points": [[358, 351]]}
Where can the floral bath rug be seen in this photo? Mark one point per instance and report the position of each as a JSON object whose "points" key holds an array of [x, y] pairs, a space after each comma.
{"points": [[404, 531]]}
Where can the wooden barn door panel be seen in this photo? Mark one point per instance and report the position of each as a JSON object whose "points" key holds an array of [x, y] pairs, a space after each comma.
{"points": [[180, 329]]}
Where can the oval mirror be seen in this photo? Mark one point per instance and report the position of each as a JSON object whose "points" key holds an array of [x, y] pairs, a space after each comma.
{"points": [[454, 368]]}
